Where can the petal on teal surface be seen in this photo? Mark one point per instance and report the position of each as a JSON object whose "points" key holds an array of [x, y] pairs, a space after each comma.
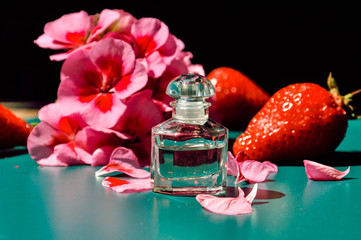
{"points": [[120, 185], [255, 171], [227, 205], [123, 160], [320, 172]]}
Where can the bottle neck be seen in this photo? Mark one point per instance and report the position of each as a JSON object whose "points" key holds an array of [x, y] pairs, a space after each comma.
{"points": [[190, 111]]}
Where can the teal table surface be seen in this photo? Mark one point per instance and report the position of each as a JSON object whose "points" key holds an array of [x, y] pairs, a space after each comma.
{"points": [[70, 203]]}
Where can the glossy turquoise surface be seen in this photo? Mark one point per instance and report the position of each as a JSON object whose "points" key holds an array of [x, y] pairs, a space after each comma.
{"points": [[70, 203]]}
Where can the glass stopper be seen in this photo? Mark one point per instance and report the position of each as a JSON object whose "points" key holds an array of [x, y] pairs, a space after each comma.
{"points": [[190, 87]]}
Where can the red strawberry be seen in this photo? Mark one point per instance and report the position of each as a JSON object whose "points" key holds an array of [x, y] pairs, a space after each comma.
{"points": [[298, 122], [237, 98], [14, 131]]}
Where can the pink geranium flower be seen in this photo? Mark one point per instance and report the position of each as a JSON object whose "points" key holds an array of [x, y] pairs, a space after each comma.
{"points": [[78, 30], [69, 31], [96, 81], [154, 46], [110, 58], [64, 139]]}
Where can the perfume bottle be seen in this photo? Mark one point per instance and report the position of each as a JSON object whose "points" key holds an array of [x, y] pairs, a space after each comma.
{"points": [[189, 151]]}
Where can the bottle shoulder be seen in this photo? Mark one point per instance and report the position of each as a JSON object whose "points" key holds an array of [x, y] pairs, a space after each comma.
{"points": [[216, 125], [175, 126]]}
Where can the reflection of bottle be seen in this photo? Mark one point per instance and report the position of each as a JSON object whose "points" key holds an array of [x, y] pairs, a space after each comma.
{"points": [[189, 151]]}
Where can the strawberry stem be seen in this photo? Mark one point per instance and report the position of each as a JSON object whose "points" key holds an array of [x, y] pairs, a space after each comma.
{"points": [[332, 85], [343, 101]]}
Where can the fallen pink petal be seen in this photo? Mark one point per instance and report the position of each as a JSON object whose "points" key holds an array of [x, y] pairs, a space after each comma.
{"points": [[270, 166], [320, 172], [227, 205], [232, 165], [127, 185], [123, 160], [249, 170], [255, 171]]}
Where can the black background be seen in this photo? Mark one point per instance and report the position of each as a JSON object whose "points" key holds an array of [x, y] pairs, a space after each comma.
{"points": [[273, 43]]}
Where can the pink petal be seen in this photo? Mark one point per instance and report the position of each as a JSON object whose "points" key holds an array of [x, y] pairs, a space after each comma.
{"points": [[41, 143], [95, 146], [124, 23], [62, 155], [154, 46], [149, 34], [115, 58], [319, 172], [170, 49], [186, 57], [127, 185], [270, 166], [155, 65], [46, 41], [65, 55], [164, 107], [106, 19], [249, 170], [140, 115], [255, 171], [125, 161], [59, 56], [132, 83], [69, 31], [56, 113], [67, 154], [228, 205], [232, 165], [101, 156], [104, 111], [85, 74]]}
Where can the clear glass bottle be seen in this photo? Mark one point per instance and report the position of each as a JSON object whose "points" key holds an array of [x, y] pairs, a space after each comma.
{"points": [[189, 151]]}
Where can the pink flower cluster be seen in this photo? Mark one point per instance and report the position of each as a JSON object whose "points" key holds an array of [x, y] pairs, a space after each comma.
{"points": [[112, 86]]}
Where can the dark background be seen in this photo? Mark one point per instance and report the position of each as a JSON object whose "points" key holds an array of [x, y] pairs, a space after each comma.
{"points": [[273, 43]]}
